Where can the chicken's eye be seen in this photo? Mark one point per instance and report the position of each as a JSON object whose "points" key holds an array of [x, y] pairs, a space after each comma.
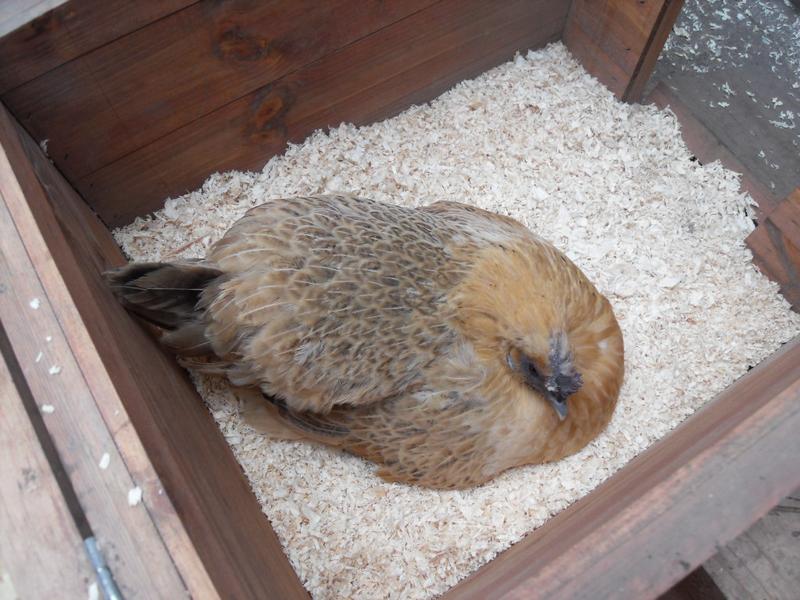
{"points": [[525, 366], [529, 369]]}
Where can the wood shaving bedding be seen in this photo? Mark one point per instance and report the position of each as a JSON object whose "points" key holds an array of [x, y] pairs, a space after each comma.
{"points": [[613, 186]]}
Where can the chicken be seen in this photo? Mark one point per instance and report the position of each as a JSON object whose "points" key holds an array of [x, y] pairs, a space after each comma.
{"points": [[445, 343]]}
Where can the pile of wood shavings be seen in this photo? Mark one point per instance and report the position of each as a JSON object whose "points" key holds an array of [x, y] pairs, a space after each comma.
{"points": [[612, 185]]}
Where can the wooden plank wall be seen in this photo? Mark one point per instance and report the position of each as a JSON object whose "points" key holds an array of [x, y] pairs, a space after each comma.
{"points": [[775, 244], [217, 86], [72, 29], [618, 41], [118, 392]]}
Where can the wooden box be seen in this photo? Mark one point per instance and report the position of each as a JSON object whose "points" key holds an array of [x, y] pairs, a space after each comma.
{"points": [[135, 102]]}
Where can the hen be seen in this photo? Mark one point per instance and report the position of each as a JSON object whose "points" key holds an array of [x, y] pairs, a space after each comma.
{"points": [[445, 343]]}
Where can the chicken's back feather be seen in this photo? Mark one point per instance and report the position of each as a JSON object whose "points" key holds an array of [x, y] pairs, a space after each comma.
{"points": [[333, 300]]}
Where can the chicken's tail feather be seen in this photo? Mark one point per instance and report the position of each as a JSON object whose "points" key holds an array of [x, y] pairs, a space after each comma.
{"points": [[167, 295]]}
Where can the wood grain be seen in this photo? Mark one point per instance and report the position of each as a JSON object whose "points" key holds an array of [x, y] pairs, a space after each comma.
{"points": [[409, 62], [74, 28], [776, 254], [786, 217], [670, 508], [618, 41], [133, 546], [708, 148], [148, 403], [745, 119], [42, 553], [144, 85], [763, 562], [659, 32]]}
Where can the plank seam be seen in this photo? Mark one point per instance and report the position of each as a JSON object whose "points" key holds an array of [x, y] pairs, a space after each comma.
{"points": [[273, 82], [95, 48], [646, 49]]}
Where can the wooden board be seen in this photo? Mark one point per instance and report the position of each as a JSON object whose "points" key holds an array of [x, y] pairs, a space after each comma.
{"points": [[763, 562], [660, 29], [72, 29], [618, 41], [730, 71], [134, 549], [786, 217], [136, 398], [670, 508], [140, 87], [42, 553], [409, 62], [775, 244]]}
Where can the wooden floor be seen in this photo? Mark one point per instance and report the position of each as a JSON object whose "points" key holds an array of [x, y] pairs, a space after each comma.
{"points": [[763, 562], [731, 73], [736, 65]]}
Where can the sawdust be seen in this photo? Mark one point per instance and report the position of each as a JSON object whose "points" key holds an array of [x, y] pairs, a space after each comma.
{"points": [[609, 183]]}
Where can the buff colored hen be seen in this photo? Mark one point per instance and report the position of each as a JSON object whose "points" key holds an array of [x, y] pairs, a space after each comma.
{"points": [[445, 343]]}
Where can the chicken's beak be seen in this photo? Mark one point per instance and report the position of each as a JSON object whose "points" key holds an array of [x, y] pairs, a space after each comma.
{"points": [[559, 404]]}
